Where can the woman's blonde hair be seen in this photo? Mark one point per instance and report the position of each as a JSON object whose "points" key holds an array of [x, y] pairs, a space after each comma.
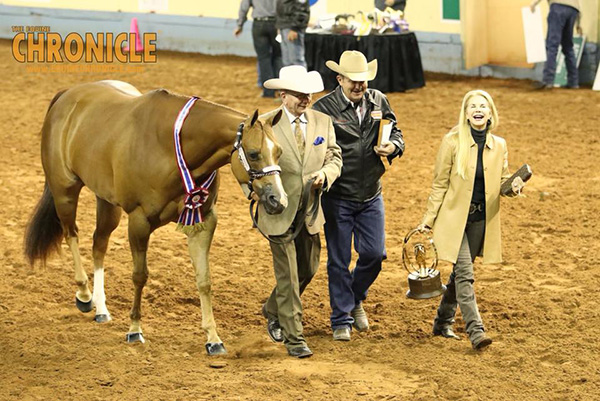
{"points": [[464, 129]]}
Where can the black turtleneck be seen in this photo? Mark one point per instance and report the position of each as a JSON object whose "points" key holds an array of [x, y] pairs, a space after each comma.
{"points": [[479, 185]]}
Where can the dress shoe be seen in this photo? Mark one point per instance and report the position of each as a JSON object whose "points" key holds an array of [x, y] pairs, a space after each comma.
{"points": [[445, 331], [481, 342], [300, 352], [274, 330], [341, 334], [361, 323]]}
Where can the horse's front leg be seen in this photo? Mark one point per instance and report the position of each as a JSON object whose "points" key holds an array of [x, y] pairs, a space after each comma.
{"points": [[139, 234], [199, 244]]}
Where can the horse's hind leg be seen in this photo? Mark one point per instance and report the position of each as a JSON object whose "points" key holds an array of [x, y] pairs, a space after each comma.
{"points": [[139, 234], [199, 245], [65, 200], [108, 217]]}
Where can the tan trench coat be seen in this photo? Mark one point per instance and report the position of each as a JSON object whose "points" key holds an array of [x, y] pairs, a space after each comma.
{"points": [[319, 155], [450, 198]]}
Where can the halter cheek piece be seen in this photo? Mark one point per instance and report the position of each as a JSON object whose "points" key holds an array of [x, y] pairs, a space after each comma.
{"points": [[252, 173]]}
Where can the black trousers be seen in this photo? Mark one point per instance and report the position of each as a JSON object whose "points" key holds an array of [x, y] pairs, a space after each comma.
{"points": [[268, 52]]}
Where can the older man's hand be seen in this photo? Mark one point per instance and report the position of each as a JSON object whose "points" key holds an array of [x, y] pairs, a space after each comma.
{"points": [[385, 149], [319, 180]]}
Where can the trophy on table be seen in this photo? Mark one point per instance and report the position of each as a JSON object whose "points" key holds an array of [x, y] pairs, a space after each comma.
{"points": [[420, 259]]}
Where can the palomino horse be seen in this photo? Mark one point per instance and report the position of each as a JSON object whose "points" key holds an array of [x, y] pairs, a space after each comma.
{"points": [[123, 146]]}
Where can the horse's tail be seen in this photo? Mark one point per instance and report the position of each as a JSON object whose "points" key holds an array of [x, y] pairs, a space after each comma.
{"points": [[44, 231]]}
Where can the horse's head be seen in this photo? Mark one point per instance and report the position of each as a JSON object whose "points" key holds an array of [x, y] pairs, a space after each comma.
{"points": [[254, 162]]}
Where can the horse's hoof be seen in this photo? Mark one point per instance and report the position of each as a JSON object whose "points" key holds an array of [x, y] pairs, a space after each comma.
{"points": [[84, 307], [103, 318], [215, 349], [135, 338]]}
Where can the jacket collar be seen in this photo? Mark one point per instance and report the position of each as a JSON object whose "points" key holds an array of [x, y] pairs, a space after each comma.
{"points": [[489, 140], [344, 103]]}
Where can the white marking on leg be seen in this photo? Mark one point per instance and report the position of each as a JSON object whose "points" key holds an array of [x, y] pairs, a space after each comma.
{"points": [[98, 297]]}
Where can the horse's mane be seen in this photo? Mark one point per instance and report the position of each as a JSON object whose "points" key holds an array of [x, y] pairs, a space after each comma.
{"points": [[224, 107], [211, 103]]}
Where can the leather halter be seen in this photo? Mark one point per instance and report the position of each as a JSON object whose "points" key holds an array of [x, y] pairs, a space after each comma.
{"points": [[252, 173]]}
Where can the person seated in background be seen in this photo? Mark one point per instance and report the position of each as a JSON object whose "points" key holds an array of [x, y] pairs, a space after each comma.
{"points": [[264, 32], [463, 209], [398, 5]]}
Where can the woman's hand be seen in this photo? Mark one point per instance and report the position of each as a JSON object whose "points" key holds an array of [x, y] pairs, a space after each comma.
{"points": [[517, 185]]}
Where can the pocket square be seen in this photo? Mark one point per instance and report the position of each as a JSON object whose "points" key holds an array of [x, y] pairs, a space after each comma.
{"points": [[319, 140]]}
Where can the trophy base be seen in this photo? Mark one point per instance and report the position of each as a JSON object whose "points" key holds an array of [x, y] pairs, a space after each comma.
{"points": [[425, 287]]}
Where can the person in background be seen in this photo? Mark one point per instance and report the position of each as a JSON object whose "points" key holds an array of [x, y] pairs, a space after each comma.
{"points": [[353, 206], [292, 20], [395, 4], [563, 16], [309, 150], [264, 32], [463, 209]]}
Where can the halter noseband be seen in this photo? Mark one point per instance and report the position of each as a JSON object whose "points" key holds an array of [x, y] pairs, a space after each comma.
{"points": [[252, 173]]}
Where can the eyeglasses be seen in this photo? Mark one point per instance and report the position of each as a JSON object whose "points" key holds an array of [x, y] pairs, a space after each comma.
{"points": [[300, 96]]}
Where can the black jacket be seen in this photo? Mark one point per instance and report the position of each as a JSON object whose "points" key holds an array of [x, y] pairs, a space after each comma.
{"points": [[292, 14], [362, 168]]}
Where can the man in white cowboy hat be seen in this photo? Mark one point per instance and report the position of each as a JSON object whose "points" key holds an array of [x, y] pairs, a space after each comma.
{"points": [[309, 150], [354, 205]]}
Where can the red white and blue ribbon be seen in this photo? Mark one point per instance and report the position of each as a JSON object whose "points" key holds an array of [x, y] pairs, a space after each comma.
{"points": [[195, 195]]}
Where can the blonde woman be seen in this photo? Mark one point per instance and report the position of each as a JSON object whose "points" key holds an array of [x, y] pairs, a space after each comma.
{"points": [[463, 209]]}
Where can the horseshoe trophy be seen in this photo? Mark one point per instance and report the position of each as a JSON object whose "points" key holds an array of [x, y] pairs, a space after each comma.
{"points": [[420, 259]]}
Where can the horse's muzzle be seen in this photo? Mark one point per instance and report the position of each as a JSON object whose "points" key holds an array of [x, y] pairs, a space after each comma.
{"points": [[272, 201], [272, 204]]}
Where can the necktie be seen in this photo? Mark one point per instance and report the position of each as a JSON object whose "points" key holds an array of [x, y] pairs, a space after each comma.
{"points": [[299, 137]]}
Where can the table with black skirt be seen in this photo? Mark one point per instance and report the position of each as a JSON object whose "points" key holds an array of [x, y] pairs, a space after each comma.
{"points": [[398, 58]]}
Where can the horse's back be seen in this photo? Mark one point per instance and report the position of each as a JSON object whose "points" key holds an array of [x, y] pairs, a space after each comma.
{"points": [[89, 132]]}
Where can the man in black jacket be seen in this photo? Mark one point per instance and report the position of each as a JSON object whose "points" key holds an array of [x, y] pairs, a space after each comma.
{"points": [[292, 20], [354, 206]]}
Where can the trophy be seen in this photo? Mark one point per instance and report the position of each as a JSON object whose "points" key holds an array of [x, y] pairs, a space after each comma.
{"points": [[420, 259]]}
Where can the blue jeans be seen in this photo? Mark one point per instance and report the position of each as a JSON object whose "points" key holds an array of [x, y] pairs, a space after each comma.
{"points": [[292, 52], [268, 52], [561, 20], [343, 220]]}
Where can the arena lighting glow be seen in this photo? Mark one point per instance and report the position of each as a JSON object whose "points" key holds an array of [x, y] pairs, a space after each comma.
{"points": [[100, 47]]}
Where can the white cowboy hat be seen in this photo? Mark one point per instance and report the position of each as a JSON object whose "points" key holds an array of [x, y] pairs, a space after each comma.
{"points": [[296, 78], [353, 65]]}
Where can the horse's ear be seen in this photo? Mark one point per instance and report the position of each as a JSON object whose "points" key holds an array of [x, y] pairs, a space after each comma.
{"points": [[254, 118], [276, 117]]}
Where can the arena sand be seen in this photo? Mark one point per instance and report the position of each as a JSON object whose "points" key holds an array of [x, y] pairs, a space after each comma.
{"points": [[540, 305]]}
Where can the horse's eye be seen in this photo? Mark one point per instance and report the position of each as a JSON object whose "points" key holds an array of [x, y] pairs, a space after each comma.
{"points": [[254, 156]]}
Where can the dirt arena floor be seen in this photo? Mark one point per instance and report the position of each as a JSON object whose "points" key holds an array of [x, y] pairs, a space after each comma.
{"points": [[540, 305]]}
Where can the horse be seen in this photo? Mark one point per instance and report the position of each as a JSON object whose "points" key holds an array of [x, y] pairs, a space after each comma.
{"points": [[126, 148]]}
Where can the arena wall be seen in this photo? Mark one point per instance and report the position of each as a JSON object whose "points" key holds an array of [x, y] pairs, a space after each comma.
{"points": [[207, 27]]}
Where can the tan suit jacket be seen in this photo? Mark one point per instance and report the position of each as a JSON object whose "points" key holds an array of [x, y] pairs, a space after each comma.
{"points": [[319, 155], [450, 198]]}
